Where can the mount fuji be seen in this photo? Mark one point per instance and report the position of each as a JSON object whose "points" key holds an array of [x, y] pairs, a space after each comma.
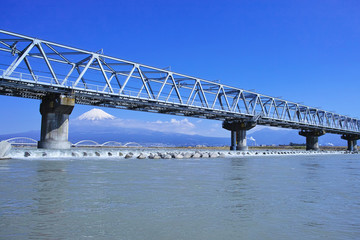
{"points": [[95, 114]]}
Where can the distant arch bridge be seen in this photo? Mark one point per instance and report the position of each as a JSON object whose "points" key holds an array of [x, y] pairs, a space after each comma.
{"points": [[26, 141], [22, 141], [91, 143], [86, 143]]}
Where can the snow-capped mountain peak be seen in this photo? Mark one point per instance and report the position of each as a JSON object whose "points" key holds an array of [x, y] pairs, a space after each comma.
{"points": [[95, 114]]}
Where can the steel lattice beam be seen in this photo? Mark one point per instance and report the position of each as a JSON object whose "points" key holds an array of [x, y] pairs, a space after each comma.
{"points": [[32, 68]]}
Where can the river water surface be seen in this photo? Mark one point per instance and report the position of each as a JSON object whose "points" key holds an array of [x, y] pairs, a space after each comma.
{"points": [[272, 197]]}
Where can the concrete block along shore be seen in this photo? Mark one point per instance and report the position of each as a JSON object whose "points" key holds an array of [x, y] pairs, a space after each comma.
{"points": [[148, 153]]}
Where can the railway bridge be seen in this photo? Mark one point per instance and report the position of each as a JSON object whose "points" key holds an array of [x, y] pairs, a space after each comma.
{"points": [[62, 76]]}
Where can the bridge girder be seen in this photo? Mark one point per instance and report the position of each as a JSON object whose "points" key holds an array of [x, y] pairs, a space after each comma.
{"points": [[35, 68]]}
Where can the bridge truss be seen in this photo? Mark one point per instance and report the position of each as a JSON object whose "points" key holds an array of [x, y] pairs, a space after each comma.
{"points": [[33, 68]]}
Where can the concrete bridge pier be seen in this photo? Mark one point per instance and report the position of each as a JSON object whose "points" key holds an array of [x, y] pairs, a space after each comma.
{"points": [[312, 138], [233, 140], [238, 130], [352, 141], [55, 111], [241, 140]]}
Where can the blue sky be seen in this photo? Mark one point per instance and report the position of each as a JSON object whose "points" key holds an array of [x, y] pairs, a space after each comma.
{"points": [[303, 51]]}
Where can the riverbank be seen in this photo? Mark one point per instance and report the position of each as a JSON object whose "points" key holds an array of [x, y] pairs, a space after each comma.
{"points": [[155, 153]]}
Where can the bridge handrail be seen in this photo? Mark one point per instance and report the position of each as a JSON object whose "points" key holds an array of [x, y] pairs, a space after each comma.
{"points": [[131, 94], [27, 77]]}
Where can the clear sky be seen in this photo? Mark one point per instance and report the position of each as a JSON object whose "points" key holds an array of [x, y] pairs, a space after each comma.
{"points": [[303, 51]]}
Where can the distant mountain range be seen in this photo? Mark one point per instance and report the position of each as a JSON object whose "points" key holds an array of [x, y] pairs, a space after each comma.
{"points": [[97, 125], [124, 135]]}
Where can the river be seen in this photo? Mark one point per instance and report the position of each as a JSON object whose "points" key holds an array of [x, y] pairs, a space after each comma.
{"points": [[272, 197]]}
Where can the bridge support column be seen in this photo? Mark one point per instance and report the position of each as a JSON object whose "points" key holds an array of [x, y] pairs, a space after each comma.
{"points": [[233, 140], [312, 138], [55, 111], [241, 140], [238, 130], [352, 141]]}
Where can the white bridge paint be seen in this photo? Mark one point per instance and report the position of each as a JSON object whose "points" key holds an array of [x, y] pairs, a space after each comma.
{"points": [[129, 85]]}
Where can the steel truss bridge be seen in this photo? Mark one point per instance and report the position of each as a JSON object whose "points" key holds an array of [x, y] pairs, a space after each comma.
{"points": [[34, 68]]}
